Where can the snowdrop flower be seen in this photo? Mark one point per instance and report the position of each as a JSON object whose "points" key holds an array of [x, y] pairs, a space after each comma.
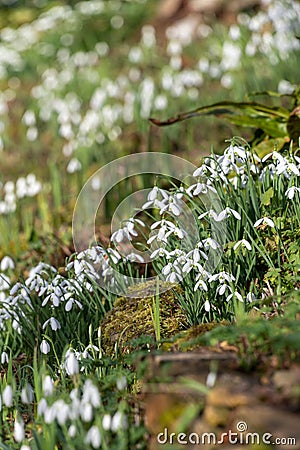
{"points": [[106, 422], [159, 252], [4, 282], [74, 166], [48, 386], [264, 221], [211, 214], [42, 407], [7, 396], [25, 447], [61, 410], [91, 394], [114, 255], [290, 192], [173, 272], [19, 433], [173, 205], [27, 394], [153, 201], [207, 306], [86, 411], [55, 325], [71, 363], [200, 284], [119, 421], [199, 188], [72, 431], [44, 347], [7, 263], [93, 437], [221, 277], [4, 358], [243, 243], [227, 212], [121, 383], [236, 295], [221, 289]]}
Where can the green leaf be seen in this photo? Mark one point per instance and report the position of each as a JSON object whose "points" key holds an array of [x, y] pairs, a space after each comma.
{"points": [[267, 196]]}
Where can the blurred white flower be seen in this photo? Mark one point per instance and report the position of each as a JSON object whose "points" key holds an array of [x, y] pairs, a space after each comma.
{"points": [[74, 165], [106, 422], [4, 358], [119, 421], [7, 263], [19, 432], [27, 394], [48, 386], [121, 383], [7, 396], [93, 437], [71, 363]]}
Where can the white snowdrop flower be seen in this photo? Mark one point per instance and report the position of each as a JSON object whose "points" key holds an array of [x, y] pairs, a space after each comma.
{"points": [[91, 394], [264, 221], [7, 263], [61, 411], [27, 394], [200, 284], [93, 437], [290, 192], [114, 255], [121, 383], [243, 243], [44, 347], [71, 363], [159, 252], [49, 414], [29, 118], [285, 87], [160, 102], [72, 431], [135, 55], [119, 421], [74, 166], [211, 214], [4, 282], [227, 212], [221, 289], [25, 447], [4, 358], [86, 411], [48, 386], [7, 396], [207, 306], [54, 323], [42, 407], [106, 422], [19, 432], [32, 134], [235, 294], [234, 32], [96, 183]]}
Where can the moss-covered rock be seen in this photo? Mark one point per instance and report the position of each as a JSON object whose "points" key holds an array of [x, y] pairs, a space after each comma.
{"points": [[131, 316]]}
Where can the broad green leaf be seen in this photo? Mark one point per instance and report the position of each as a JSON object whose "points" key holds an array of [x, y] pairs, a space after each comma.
{"points": [[268, 145], [267, 196]]}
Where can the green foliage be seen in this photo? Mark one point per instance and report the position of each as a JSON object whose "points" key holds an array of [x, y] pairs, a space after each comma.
{"points": [[276, 123]]}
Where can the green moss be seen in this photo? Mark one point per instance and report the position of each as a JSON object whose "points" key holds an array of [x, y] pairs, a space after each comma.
{"points": [[131, 317]]}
